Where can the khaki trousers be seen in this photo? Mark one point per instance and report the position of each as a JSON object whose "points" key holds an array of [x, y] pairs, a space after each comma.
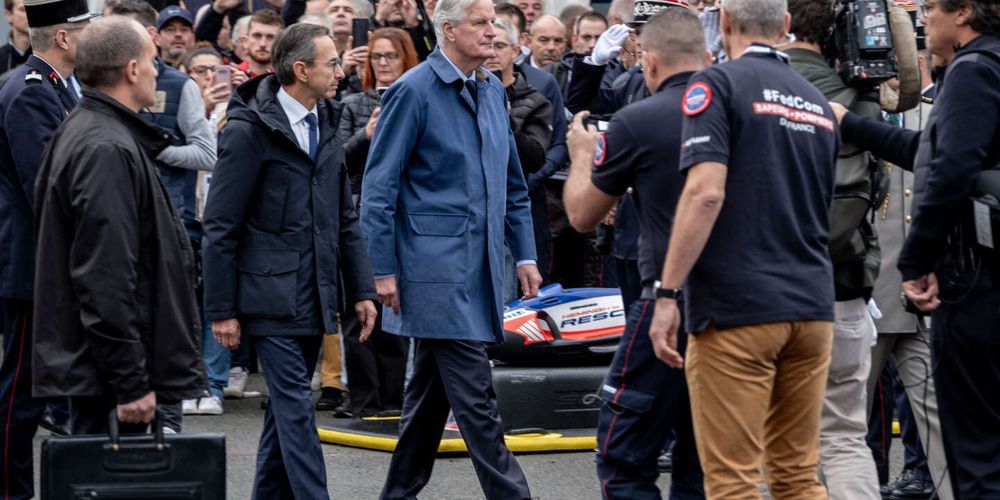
{"points": [[332, 366], [846, 461], [756, 397]]}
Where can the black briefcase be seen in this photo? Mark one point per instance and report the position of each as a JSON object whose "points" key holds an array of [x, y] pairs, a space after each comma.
{"points": [[142, 466]]}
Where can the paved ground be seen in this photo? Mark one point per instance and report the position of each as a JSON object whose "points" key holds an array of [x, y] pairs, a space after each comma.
{"points": [[355, 474]]}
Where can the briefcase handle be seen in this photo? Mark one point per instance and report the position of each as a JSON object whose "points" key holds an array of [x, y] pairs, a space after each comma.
{"points": [[116, 436]]}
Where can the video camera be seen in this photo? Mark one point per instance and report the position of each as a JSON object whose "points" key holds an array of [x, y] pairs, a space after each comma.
{"points": [[861, 41]]}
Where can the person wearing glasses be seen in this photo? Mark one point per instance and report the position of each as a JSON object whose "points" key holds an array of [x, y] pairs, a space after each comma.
{"points": [[281, 236]]}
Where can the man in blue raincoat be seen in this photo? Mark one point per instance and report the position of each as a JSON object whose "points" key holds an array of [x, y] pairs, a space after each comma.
{"points": [[443, 191]]}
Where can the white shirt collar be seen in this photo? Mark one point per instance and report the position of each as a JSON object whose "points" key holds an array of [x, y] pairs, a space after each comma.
{"points": [[294, 110], [470, 76], [61, 79]]}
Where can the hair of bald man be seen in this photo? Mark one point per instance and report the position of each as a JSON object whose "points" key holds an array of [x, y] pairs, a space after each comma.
{"points": [[105, 49], [546, 19], [675, 36], [764, 18]]}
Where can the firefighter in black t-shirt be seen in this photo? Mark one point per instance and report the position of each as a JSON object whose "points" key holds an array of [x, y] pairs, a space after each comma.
{"points": [[750, 245], [644, 399]]}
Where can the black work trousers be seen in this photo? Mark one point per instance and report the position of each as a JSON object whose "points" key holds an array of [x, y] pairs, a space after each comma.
{"points": [[376, 369], [966, 348]]}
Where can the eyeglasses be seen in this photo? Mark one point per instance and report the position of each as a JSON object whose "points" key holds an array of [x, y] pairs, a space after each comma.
{"points": [[389, 57], [926, 8], [201, 70], [332, 64]]}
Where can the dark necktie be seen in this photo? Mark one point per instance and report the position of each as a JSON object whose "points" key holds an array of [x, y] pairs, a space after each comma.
{"points": [[313, 134], [470, 85]]}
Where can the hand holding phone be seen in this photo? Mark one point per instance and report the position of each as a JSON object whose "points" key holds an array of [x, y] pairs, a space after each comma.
{"points": [[359, 31], [222, 74]]}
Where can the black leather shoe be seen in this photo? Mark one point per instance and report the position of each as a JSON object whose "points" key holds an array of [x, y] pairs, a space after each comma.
{"points": [[666, 462], [49, 423], [330, 399], [915, 489], [904, 479]]}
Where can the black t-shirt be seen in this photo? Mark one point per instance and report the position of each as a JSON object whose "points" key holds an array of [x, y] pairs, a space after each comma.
{"points": [[640, 149], [767, 258]]}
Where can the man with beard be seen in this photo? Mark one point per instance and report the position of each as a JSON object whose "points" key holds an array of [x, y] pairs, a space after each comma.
{"points": [[174, 34], [265, 25]]}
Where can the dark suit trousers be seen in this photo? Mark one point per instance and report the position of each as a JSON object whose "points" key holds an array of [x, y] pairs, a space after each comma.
{"points": [[376, 369], [966, 351], [19, 412], [289, 457], [456, 375]]}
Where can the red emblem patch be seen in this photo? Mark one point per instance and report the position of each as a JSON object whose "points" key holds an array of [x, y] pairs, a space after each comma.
{"points": [[602, 150], [697, 98]]}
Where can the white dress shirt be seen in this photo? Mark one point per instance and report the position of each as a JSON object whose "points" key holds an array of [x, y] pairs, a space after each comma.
{"points": [[296, 114]]}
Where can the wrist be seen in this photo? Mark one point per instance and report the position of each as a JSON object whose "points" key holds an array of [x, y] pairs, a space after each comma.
{"points": [[667, 292]]}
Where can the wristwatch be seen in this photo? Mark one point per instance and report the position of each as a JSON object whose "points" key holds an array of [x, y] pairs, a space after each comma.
{"points": [[666, 293]]}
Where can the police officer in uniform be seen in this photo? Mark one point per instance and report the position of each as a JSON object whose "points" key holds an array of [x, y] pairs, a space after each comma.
{"points": [[948, 268], [645, 400], [32, 105]]}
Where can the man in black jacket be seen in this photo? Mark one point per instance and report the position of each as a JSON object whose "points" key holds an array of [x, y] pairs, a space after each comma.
{"points": [[280, 229], [531, 121], [116, 323]]}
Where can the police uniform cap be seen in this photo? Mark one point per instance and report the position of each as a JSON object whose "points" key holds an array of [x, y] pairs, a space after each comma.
{"points": [[42, 13], [645, 9]]}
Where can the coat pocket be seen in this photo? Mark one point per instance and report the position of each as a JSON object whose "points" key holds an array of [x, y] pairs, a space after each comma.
{"points": [[268, 282], [437, 249]]}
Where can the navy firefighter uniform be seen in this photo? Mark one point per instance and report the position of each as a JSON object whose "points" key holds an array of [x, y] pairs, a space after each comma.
{"points": [[32, 105], [645, 400]]}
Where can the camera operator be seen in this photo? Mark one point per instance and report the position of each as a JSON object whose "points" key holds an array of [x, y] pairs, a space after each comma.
{"points": [[945, 271], [847, 463]]}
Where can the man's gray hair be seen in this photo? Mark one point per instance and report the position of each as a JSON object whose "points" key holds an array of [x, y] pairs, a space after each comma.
{"points": [[451, 12], [44, 38], [318, 19], [363, 8], [764, 18], [296, 43], [105, 49], [241, 26], [510, 29]]}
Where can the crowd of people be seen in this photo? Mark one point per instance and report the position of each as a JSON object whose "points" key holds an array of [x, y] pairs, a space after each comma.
{"points": [[344, 195]]}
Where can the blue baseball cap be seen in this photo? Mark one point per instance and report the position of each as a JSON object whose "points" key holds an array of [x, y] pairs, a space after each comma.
{"points": [[173, 12]]}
